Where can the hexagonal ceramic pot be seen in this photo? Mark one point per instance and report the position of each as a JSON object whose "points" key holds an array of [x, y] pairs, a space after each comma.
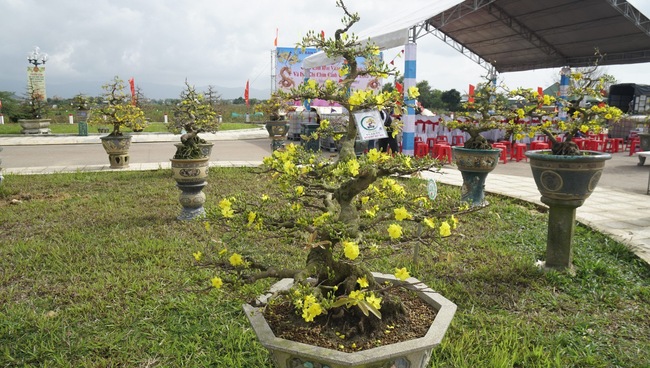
{"points": [[414, 353]]}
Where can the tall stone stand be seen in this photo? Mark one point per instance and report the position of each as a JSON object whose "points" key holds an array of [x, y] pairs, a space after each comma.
{"points": [[561, 227], [192, 199]]}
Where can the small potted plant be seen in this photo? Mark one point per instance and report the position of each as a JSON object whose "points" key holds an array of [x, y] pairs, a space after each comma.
{"points": [[339, 212], [476, 158], [80, 106], [565, 174], [191, 116], [118, 111], [34, 109], [276, 109]]}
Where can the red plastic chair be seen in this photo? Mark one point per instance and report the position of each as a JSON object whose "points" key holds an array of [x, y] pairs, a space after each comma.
{"points": [[518, 150]]}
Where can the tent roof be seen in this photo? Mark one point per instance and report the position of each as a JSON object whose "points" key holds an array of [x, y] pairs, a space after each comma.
{"points": [[517, 35]]}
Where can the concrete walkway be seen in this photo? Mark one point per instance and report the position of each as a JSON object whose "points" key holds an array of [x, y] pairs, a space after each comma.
{"points": [[623, 215]]}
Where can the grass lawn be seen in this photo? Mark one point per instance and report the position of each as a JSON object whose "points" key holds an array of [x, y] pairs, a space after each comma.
{"points": [[14, 128], [95, 271]]}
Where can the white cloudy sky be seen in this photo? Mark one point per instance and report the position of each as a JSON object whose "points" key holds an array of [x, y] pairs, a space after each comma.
{"points": [[209, 42]]}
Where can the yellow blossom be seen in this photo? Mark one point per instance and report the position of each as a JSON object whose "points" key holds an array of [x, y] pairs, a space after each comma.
{"points": [[313, 310], [454, 222], [402, 273], [320, 220], [353, 167], [430, 223], [394, 231], [351, 250], [312, 84], [373, 155], [413, 92], [584, 128], [357, 295], [251, 217], [402, 214], [223, 251], [374, 301], [236, 260], [365, 199], [357, 97], [225, 203], [197, 256], [206, 225], [363, 282], [227, 212], [216, 282], [445, 229], [324, 124], [300, 190]]}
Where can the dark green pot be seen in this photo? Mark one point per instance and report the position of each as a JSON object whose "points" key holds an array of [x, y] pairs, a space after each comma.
{"points": [[565, 182], [474, 165], [567, 178]]}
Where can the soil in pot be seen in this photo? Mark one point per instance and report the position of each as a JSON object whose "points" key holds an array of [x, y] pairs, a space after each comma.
{"points": [[347, 334]]}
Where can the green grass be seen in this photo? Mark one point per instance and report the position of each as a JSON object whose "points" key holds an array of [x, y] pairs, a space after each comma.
{"points": [[95, 271], [64, 128]]}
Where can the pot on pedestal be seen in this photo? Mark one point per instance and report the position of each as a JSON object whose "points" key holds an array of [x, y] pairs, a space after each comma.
{"points": [[35, 126], [117, 147], [190, 176], [644, 141], [474, 165], [277, 132], [411, 353], [565, 182]]}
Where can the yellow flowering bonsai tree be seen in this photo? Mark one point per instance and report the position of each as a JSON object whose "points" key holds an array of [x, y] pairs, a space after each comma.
{"points": [[488, 110], [341, 211], [194, 114], [117, 109], [581, 118]]}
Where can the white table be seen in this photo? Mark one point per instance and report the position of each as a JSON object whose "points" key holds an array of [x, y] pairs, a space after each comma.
{"points": [[646, 154]]}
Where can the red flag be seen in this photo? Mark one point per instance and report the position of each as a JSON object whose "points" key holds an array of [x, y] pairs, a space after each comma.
{"points": [[132, 84], [540, 91], [246, 94], [399, 87], [275, 42], [470, 98], [322, 35]]}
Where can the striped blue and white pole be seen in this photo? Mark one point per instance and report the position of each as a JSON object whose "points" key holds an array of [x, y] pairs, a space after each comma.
{"points": [[408, 130], [565, 74]]}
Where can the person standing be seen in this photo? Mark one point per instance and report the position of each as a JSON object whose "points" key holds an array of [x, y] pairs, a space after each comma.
{"points": [[389, 143]]}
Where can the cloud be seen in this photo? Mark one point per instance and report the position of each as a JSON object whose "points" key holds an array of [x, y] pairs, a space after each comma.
{"points": [[220, 43]]}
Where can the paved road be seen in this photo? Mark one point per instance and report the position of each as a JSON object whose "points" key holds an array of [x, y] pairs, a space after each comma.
{"points": [[93, 154], [621, 172]]}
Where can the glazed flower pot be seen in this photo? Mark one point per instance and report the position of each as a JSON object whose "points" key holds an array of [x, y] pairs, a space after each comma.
{"points": [[567, 178], [565, 182], [411, 353], [277, 132], [117, 148], [474, 165]]}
